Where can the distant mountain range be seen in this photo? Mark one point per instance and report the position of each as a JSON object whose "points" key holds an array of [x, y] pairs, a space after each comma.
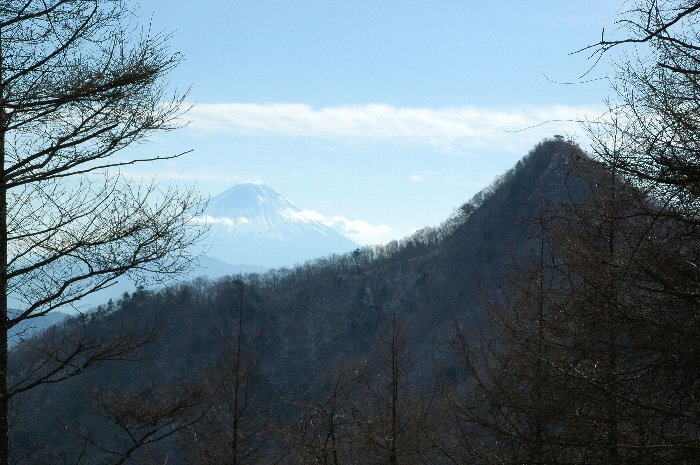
{"points": [[33, 327], [253, 224]]}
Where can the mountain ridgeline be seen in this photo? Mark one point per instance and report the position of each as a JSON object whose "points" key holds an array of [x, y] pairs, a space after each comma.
{"points": [[304, 325]]}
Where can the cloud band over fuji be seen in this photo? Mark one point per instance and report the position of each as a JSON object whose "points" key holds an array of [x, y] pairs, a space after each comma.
{"points": [[458, 129]]}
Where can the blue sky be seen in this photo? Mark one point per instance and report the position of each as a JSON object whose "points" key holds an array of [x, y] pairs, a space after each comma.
{"points": [[378, 117]]}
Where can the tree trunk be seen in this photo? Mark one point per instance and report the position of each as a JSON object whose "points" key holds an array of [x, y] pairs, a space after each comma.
{"points": [[612, 414], [393, 455], [237, 377], [4, 430], [4, 427]]}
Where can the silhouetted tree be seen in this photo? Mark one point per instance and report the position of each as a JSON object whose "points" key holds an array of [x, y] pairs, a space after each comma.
{"points": [[650, 131], [325, 433], [129, 423], [78, 83], [238, 426], [390, 410], [650, 137], [511, 408], [573, 370]]}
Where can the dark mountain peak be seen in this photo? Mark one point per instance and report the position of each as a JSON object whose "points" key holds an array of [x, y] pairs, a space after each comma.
{"points": [[549, 155], [487, 232], [539, 173]]}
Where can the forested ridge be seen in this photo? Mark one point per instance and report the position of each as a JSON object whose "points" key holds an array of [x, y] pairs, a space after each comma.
{"points": [[306, 325], [541, 323]]}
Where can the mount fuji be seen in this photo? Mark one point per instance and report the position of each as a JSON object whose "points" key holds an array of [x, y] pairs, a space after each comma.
{"points": [[254, 225], [253, 228]]}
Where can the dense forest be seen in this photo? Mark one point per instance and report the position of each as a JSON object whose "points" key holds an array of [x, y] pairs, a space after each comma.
{"points": [[543, 323], [288, 339], [553, 319]]}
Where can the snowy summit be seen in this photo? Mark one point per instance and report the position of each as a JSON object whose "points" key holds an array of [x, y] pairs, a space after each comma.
{"points": [[254, 225]]}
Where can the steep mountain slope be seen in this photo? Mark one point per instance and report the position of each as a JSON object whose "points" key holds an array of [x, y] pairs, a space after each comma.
{"points": [[326, 314], [252, 224]]}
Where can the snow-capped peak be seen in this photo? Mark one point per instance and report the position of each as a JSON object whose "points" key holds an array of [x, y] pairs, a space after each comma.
{"points": [[251, 223]]}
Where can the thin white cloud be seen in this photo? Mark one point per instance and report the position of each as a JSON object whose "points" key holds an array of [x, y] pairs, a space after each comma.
{"points": [[304, 216], [417, 178], [230, 223], [456, 128], [361, 231], [357, 230]]}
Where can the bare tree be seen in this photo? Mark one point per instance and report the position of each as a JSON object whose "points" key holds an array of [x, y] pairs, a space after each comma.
{"points": [[652, 139], [650, 132], [374, 412], [78, 83], [574, 369], [239, 425], [511, 408], [129, 423], [391, 411], [325, 433]]}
